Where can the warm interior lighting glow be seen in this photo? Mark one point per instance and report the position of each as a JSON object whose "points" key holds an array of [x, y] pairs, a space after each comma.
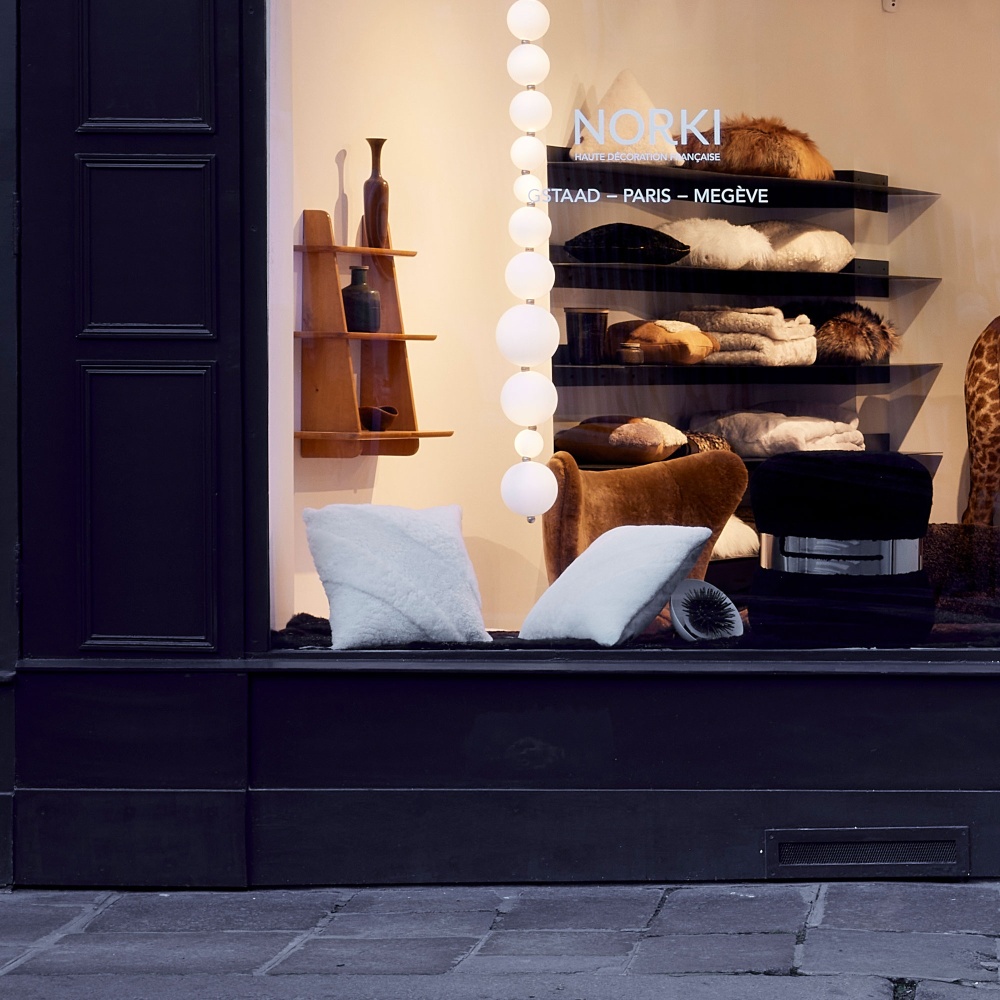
{"points": [[527, 334], [527, 152], [528, 65], [529, 488], [529, 227], [530, 110], [528, 398], [528, 19], [530, 275], [529, 443]]}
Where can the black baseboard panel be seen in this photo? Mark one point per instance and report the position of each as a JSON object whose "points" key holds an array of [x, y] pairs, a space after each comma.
{"points": [[105, 838], [275, 773], [384, 836], [131, 728], [6, 838], [6, 733]]}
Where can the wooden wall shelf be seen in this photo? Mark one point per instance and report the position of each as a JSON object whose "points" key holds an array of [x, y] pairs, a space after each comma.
{"points": [[332, 387], [359, 251], [354, 335]]}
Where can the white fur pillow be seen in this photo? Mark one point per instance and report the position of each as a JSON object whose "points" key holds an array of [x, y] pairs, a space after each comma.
{"points": [[626, 92], [736, 541], [394, 575], [801, 246], [617, 585], [718, 243]]}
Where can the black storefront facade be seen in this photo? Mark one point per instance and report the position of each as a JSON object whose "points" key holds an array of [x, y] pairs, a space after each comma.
{"points": [[150, 732]]}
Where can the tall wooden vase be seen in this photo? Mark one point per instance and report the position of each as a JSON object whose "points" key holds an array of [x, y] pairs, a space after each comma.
{"points": [[376, 199]]}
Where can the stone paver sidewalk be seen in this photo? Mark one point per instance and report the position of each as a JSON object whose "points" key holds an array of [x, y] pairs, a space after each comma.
{"points": [[772, 941]]}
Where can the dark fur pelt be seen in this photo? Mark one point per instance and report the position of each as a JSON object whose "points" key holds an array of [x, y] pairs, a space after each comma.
{"points": [[847, 333], [765, 147], [858, 336], [302, 631]]}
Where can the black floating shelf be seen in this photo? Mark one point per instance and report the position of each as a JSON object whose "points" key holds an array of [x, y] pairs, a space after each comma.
{"points": [[861, 278], [930, 459], [565, 375], [850, 189]]}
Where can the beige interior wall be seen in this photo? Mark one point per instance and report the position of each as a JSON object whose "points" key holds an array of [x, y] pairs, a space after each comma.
{"points": [[910, 94]]}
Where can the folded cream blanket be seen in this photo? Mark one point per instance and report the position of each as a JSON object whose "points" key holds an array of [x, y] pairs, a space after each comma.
{"points": [[757, 349], [753, 434], [769, 321]]}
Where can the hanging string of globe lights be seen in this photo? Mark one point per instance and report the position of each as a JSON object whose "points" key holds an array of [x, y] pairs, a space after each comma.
{"points": [[528, 334]]}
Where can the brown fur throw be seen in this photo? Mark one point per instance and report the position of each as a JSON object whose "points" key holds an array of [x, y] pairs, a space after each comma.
{"points": [[763, 146]]}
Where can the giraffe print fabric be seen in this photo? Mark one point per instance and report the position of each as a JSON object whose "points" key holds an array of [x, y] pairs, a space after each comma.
{"points": [[982, 418]]}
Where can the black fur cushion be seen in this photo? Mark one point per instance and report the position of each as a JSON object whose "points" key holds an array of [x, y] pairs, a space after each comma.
{"points": [[624, 243]]}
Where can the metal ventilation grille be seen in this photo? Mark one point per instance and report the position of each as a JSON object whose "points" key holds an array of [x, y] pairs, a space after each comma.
{"points": [[875, 852], [867, 852]]}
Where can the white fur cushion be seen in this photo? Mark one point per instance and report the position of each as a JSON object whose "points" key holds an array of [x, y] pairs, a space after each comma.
{"points": [[801, 246], [626, 92], [737, 541], [617, 585], [718, 243], [394, 575]]}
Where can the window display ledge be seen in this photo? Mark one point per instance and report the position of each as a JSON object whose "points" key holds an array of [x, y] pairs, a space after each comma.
{"points": [[633, 660], [537, 658]]}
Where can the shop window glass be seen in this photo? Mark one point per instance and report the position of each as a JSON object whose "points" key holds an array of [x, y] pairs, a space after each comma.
{"points": [[749, 290]]}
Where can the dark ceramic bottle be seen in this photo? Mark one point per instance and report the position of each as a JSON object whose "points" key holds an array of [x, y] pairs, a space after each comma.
{"points": [[362, 304], [376, 200]]}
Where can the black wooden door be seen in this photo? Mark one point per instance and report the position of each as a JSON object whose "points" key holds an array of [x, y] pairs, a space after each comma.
{"points": [[134, 122]]}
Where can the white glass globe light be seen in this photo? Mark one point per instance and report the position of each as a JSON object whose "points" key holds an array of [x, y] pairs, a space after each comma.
{"points": [[528, 399], [528, 19], [529, 443], [530, 275], [529, 488], [528, 189], [527, 335], [528, 65], [528, 152], [529, 227], [530, 110]]}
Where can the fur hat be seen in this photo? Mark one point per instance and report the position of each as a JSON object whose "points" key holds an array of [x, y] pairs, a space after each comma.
{"points": [[767, 147]]}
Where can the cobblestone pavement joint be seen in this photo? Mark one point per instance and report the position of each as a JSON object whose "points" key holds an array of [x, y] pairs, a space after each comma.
{"points": [[772, 941]]}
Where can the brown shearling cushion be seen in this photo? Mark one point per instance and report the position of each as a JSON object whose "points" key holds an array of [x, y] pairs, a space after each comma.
{"points": [[667, 342], [697, 490], [621, 440]]}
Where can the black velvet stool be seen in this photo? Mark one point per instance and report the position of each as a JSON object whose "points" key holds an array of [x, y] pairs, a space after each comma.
{"points": [[841, 539]]}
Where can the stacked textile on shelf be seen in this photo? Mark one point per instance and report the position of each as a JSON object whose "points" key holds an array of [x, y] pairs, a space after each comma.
{"points": [[755, 336], [760, 434]]}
